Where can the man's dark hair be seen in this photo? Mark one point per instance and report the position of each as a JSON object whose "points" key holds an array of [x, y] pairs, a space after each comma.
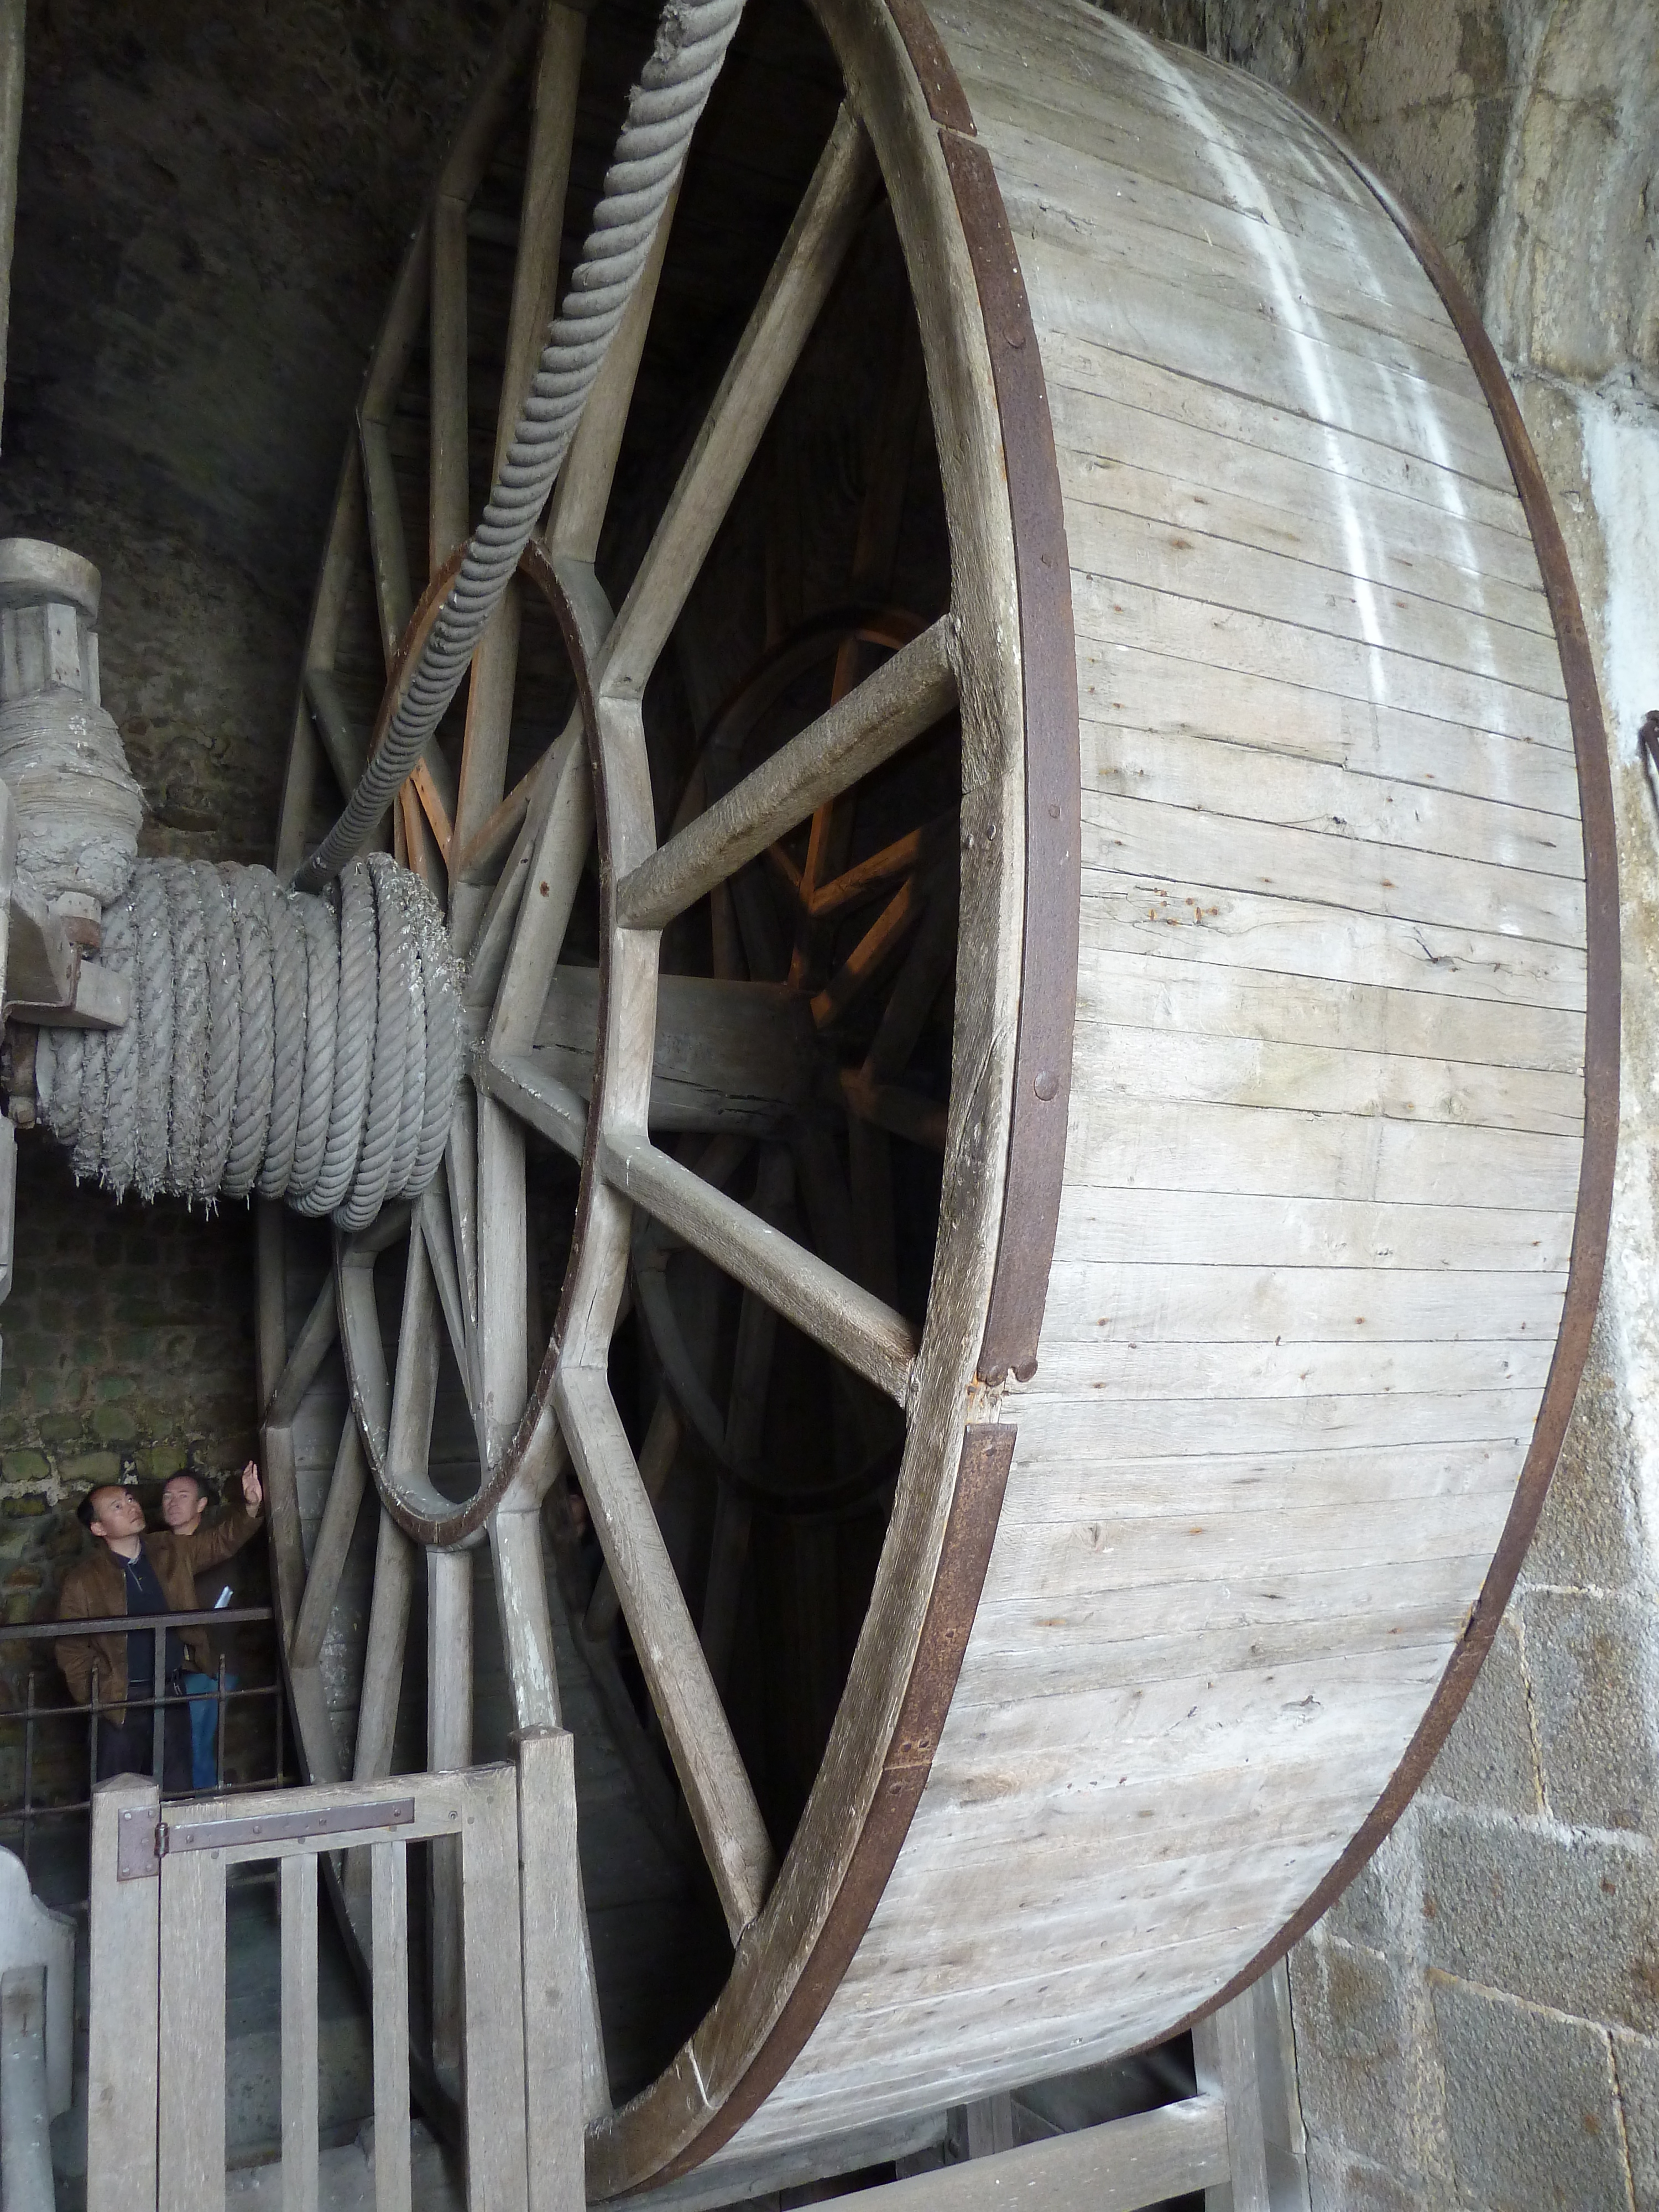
{"points": [[87, 1512]]}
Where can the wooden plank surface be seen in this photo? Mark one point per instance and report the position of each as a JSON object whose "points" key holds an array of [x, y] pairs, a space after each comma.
{"points": [[553, 1933], [189, 2141], [124, 2017], [389, 1911], [298, 2033], [497, 2166]]}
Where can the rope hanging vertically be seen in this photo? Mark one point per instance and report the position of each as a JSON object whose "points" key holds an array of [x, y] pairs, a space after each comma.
{"points": [[663, 108]]}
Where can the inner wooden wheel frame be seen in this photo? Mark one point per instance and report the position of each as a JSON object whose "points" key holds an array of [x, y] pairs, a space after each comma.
{"points": [[1004, 658]]}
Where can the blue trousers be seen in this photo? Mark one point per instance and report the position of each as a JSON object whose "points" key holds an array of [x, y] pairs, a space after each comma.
{"points": [[203, 1692]]}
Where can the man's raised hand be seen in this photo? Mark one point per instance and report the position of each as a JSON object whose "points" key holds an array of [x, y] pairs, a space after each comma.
{"points": [[253, 1490]]}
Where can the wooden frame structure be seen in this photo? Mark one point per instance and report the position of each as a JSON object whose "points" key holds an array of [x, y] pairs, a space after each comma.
{"points": [[1277, 1154]]}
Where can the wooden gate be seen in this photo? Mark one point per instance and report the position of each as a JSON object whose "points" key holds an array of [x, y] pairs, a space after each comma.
{"points": [[155, 2119]]}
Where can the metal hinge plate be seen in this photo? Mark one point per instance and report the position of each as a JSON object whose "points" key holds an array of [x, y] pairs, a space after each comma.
{"points": [[143, 1841]]}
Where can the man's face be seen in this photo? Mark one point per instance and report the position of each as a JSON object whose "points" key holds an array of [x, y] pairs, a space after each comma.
{"points": [[181, 1502], [117, 1513]]}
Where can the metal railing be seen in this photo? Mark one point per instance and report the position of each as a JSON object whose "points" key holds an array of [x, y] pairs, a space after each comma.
{"points": [[27, 1814]]}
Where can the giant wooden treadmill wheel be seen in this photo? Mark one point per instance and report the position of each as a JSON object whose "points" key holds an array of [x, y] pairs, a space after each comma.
{"points": [[1085, 846]]}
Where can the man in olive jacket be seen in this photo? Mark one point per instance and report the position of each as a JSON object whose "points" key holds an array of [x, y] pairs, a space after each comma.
{"points": [[132, 1572]]}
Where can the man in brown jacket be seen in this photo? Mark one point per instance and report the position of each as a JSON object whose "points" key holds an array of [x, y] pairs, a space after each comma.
{"points": [[130, 1572]]}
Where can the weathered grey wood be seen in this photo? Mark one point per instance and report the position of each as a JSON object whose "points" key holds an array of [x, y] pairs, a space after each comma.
{"points": [[298, 1881], [311, 1348], [789, 307], [388, 1889], [872, 1340], [190, 2132], [447, 467], [711, 1771], [123, 2017], [26, 2182], [276, 1438], [554, 1997], [904, 696], [1116, 2167], [657, 1455], [727, 1055], [394, 597], [1224, 2057], [518, 1081], [342, 741], [497, 2179], [544, 913], [448, 1749], [582, 492], [503, 1322], [383, 1654], [527, 1643]]}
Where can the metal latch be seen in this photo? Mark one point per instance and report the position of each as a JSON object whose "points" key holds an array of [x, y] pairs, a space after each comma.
{"points": [[143, 1842]]}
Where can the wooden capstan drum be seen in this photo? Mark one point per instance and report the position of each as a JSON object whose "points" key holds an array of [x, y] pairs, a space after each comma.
{"points": [[1032, 865]]}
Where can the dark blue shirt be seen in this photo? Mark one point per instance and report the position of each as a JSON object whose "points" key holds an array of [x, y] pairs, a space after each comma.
{"points": [[145, 1594]]}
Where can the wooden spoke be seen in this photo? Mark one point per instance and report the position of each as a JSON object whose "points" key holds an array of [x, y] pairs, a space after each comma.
{"points": [[878, 718], [717, 1791], [870, 1337], [890, 1106], [582, 492], [656, 1456], [340, 558], [787, 308], [329, 1545], [448, 504], [383, 1655], [927, 965], [276, 1438], [480, 861], [863, 965], [461, 1177], [491, 941], [394, 596], [449, 1751], [311, 1348], [428, 791], [432, 1215], [341, 740], [555, 869], [548, 1105], [904, 857], [503, 1345]]}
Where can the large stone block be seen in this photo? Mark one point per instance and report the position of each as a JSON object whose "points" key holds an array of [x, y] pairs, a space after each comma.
{"points": [[1570, 1922], [1340, 2183], [1490, 1758], [1592, 1661], [1587, 1532], [1532, 2105], [1353, 2032]]}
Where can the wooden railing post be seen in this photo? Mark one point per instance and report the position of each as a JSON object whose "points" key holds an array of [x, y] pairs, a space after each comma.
{"points": [[493, 1979], [553, 1987], [1240, 2054], [123, 2036]]}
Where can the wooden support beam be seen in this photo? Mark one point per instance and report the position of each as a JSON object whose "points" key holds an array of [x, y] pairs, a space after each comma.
{"points": [[717, 1790], [329, 1548], [448, 504], [583, 490], [892, 707], [795, 291], [317, 1334]]}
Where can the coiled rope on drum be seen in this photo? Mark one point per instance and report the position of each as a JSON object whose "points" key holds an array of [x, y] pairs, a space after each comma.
{"points": [[663, 108], [304, 1048]]}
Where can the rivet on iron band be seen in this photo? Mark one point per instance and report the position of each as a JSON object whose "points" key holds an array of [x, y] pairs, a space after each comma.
{"points": [[1025, 1370], [1047, 1086], [1016, 337]]}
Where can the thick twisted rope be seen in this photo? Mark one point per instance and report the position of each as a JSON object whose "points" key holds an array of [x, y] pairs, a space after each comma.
{"points": [[663, 108], [307, 1048]]}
